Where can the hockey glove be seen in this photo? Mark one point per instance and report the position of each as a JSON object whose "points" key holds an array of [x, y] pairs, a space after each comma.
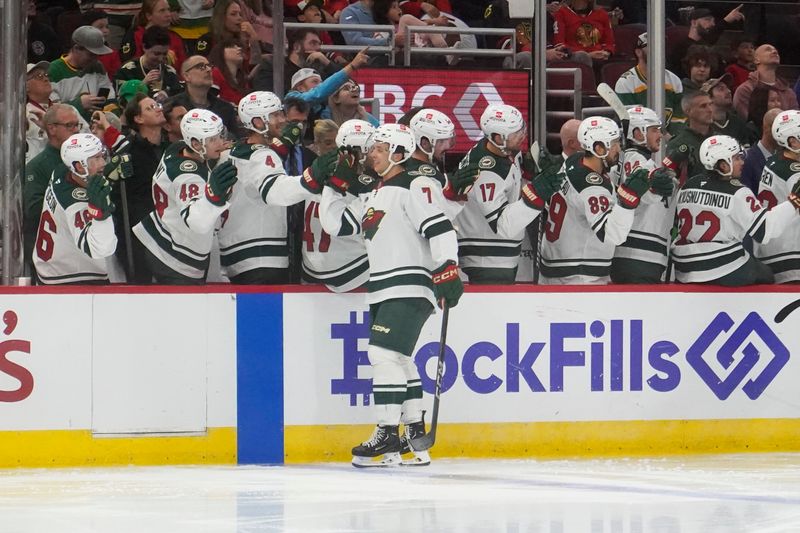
{"points": [[220, 183], [98, 191], [461, 181], [662, 182], [630, 192], [119, 168], [315, 176], [289, 136], [447, 284], [346, 172], [538, 192], [794, 196]]}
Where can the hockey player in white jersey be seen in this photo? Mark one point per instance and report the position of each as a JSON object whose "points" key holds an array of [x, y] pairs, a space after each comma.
{"points": [[585, 220], [780, 175], [715, 214], [413, 260], [642, 258], [339, 261], [76, 233], [253, 237], [492, 225], [190, 193]]}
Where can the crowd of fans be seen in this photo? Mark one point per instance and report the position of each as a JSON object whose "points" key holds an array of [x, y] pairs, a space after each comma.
{"points": [[130, 71]]}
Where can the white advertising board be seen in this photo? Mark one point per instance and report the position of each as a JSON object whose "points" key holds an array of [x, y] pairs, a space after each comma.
{"points": [[541, 357]]}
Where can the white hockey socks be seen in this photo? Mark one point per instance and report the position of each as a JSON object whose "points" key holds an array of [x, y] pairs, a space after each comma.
{"points": [[412, 406], [388, 384]]}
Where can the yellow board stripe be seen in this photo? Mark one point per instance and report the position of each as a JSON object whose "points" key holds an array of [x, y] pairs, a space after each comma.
{"points": [[307, 444], [81, 448]]}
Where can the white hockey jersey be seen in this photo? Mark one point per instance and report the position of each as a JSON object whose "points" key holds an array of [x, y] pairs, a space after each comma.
{"points": [[180, 230], [406, 232], [781, 255], [648, 239], [492, 224], [71, 246], [714, 216], [584, 225]]}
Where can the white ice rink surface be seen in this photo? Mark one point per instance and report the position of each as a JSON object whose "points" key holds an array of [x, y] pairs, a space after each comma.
{"points": [[747, 493]]}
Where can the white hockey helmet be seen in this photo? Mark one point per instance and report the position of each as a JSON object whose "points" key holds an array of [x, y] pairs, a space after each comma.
{"points": [[432, 125], [719, 148], [354, 133], [786, 126], [504, 120], [595, 130], [79, 148], [258, 104], [398, 137], [200, 124], [641, 118]]}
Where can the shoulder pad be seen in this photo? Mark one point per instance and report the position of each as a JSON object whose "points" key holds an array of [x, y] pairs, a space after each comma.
{"points": [[243, 150]]}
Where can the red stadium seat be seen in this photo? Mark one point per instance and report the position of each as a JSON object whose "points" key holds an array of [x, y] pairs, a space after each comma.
{"points": [[562, 81], [625, 37], [674, 35], [610, 72]]}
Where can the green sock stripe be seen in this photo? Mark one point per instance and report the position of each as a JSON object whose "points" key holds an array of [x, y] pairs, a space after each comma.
{"points": [[389, 398], [414, 392]]}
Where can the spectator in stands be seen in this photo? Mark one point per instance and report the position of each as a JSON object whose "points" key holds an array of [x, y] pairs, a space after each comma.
{"points": [[361, 13], [110, 61], [632, 87], [147, 142], [726, 120], [569, 138], [345, 104], [228, 73], [196, 72], [767, 60], [121, 16], [559, 52], [153, 13], [37, 92], [757, 155], [762, 99], [303, 52], [699, 63], [325, 131], [173, 113], [584, 27], [743, 57], [151, 67], [683, 150], [60, 121], [388, 12], [78, 76], [300, 157], [310, 12], [193, 19], [127, 91], [43, 42], [229, 23], [703, 30]]}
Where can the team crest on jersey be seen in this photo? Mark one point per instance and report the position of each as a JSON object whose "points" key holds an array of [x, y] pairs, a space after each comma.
{"points": [[683, 148], [593, 178], [366, 179], [794, 167], [736, 183], [80, 194], [487, 162], [188, 166], [427, 170], [371, 221]]}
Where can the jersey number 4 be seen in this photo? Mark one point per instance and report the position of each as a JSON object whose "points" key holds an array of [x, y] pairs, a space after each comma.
{"points": [[312, 211]]}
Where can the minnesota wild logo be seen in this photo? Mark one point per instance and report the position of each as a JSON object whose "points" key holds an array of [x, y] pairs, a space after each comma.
{"points": [[371, 221]]}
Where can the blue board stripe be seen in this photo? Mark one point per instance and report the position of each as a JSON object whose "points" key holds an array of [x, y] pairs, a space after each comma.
{"points": [[259, 369]]}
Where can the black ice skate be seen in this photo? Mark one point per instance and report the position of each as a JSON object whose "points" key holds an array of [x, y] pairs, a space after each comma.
{"points": [[413, 431], [382, 449]]}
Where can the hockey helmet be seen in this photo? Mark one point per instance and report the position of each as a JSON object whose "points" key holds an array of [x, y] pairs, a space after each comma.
{"points": [[398, 137], [432, 125], [595, 130], [641, 118], [258, 104], [354, 133], [200, 125], [719, 148], [79, 148], [786, 126], [503, 120]]}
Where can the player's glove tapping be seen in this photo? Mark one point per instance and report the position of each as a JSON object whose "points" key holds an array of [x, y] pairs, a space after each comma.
{"points": [[630, 192], [315, 176], [119, 168], [537, 193], [662, 181], [794, 196], [447, 284], [290, 135], [98, 191], [345, 173], [460, 182], [220, 183]]}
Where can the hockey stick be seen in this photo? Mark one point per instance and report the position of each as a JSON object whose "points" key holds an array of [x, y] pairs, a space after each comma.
{"points": [[426, 441], [611, 98]]}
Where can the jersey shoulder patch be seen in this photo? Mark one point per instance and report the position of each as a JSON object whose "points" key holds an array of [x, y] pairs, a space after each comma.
{"points": [[581, 177], [243, 150], [177, 164], [66, 192]]}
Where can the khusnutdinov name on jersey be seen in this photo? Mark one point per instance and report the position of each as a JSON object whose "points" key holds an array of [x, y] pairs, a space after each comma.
{"points": [[710, 199]]}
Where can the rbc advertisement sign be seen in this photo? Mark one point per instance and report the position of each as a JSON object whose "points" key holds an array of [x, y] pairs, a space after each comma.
{"points": [[591, 356]]}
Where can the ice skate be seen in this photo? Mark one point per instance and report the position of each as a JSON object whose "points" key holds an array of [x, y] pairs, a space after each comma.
{"points": [[413, 431], [381, 450]]}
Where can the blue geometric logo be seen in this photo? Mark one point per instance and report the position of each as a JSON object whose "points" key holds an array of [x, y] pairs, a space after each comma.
{"points": [[737, 343]]}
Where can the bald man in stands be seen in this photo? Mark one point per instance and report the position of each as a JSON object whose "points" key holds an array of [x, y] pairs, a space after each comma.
{"points": [[757, 155], [569, 138]]}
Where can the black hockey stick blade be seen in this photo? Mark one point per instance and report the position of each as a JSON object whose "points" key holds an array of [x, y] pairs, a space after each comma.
{"points": [[426, 441]]}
